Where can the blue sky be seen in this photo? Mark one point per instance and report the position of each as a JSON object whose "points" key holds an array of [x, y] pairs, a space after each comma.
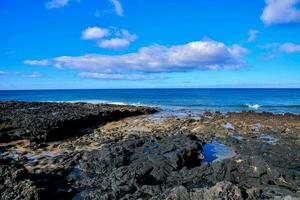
{"points": [[57, 44]]}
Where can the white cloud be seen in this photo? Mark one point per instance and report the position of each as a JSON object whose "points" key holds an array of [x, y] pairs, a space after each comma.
{"points": [[33, 75], [93, 33], [121, 42], [280, 12], [36, 62], [198, 55], [114, 43], [104, 76], [287, 47], [119, 39], [56, 4], [273, 45], [290, 48], [118, 7], [252, 35]]}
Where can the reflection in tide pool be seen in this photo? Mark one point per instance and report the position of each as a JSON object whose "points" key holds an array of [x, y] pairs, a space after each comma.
{"points": [[215, 151], [268, 139]]}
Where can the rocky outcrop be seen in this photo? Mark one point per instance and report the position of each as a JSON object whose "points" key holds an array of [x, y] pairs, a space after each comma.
{"points": [[42, 122], [232, 156], [15, 182], [137, 167], [256, 177], [171, 167]]}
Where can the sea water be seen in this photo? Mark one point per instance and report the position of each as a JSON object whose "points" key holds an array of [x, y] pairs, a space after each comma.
{"points": [[271, 100]]}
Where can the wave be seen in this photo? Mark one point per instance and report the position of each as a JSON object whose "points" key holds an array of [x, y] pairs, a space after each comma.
{"points": [[272, 106], [253, 106], [103, 102], [256, 106], [96, 101], [249, 106]]}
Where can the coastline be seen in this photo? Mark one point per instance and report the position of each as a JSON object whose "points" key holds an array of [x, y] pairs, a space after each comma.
{"points": [[130, 155]]}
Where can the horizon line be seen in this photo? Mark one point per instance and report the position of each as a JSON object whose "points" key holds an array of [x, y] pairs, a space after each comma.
{"points": [[147, 88]]}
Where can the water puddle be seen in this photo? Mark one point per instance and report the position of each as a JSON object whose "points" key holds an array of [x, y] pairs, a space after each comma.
{"points": [[75, 172], [234, 138], [256, 127], [30, 108], [12, 155], [216, 151], [227, 126], [34, 108], [238, 137], [55, 113], [268, 139], [34, 158], [150, 148], [30, 158], [191, 185]]}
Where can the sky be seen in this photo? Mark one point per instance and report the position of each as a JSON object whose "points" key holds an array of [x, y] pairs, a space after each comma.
{"points": [[78, 44]]}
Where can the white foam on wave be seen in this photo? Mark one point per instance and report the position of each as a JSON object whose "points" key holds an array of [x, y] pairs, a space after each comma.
{"points": [[112, 102], [103, 102], [96, 101], [254, 106]]}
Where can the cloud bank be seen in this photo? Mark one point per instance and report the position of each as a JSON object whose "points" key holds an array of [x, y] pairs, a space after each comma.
{"points": [[281, 12], [197, 55]]}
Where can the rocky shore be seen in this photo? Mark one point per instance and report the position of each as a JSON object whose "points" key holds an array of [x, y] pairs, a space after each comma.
{"points": [[43, 122], [87, 151]]}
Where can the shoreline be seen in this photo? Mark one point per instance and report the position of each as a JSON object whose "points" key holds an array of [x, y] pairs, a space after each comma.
{"points": [[237, 155], [243, 107]]}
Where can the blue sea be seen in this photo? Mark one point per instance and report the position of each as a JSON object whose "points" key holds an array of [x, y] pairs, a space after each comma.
{"points": [[224, 100]]}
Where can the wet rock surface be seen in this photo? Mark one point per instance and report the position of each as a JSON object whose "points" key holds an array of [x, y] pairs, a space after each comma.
{"points": [[138, 167], [55, 121], [243, 155]]}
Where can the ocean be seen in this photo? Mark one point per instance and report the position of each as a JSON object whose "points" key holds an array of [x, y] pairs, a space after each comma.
{"points": [[174, 100]]}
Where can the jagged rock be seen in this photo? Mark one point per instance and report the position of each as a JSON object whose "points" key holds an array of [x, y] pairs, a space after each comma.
{"points": [[127, 168], [222, 190], [247, 171], [143, 159], [179, 193], [15, 182], [43, 121]]}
